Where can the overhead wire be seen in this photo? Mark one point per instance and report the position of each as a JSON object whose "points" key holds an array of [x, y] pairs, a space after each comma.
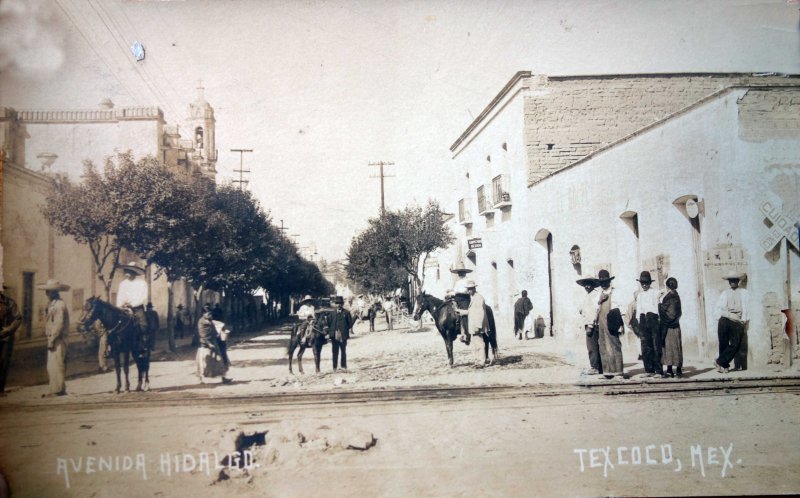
{"points": [[130, 90]]}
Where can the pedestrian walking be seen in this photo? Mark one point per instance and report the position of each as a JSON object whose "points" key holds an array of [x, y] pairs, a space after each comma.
{"points": [[339, 332], [209, 359], [56, 329], [478, 324], [669, 310], [610, 327], [733, 312], [646, 309], [10, 320], [522, 307], [389, 307], [588, 311]]}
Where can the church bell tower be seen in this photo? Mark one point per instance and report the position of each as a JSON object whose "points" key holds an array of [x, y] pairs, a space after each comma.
{"points": [[201, 126]]}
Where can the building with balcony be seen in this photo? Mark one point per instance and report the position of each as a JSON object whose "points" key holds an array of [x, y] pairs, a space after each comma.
{"points": [[38, 143], [684, 175]]}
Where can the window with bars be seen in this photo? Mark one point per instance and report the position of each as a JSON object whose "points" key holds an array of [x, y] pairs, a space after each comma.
{"points": [[500, 194], [464, 214], [483, 205]]}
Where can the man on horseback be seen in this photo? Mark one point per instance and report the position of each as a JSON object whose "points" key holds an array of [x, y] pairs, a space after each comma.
{"points": [[461, 298], [132, 296], [307, 315]]}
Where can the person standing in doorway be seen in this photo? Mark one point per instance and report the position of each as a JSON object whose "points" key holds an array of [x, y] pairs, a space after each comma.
{"points": [[733, 312], [610, 327], [522, 308], [669, 310], [646, 308], [339, 332], [10, 320], [588, 312], [56, 329]]}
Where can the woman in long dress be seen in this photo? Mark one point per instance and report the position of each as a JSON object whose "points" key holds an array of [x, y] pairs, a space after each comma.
{"points": [[669, 310], [209, 359]]}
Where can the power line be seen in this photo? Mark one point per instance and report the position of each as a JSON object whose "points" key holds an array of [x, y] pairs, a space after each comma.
{"points": [[381, 164], [241, 181]]}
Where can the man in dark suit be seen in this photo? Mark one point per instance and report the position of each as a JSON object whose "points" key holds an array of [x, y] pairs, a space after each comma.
{"points": [[339, 331]]}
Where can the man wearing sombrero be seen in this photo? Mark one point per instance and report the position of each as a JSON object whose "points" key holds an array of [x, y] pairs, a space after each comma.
{"points": [[609, 326], [306, 313], [132, 294], [733, 312], [588, 311], [461, 298], [645, 302], [56, 328]]}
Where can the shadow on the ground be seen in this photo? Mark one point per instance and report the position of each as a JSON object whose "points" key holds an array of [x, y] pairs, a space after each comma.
{"points": [[263, 362], [508, 360]]}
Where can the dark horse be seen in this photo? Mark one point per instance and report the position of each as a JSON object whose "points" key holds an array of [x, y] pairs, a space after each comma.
{"points": [[317, 340], [448, 323], [124, 339]]}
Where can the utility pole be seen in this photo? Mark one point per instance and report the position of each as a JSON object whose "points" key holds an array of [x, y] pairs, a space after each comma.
{"points": [[283, 229], [381, 164], [241, 181]]}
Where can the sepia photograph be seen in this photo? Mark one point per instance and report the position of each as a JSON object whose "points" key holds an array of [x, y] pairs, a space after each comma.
{"points": [[385, 248]]}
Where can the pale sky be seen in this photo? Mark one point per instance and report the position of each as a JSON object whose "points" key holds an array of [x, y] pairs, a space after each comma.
{"points": [[319, 89]]}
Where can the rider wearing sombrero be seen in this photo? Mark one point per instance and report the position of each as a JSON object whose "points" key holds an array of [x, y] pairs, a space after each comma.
{"points": [[461, 298], [132, 296], [306, 313]]}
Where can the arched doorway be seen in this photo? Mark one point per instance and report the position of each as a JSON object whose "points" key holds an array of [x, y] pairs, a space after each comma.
{"points": [[545, 239]]}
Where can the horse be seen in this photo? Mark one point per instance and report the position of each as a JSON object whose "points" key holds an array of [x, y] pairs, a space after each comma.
{"points": [[317, 340], [449, 323], [124, 339]]}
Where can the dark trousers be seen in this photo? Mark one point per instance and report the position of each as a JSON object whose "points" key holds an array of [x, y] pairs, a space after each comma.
{"points": [[6, 348], [650, 335], [730, 335], [337, 346], [593, 345]]}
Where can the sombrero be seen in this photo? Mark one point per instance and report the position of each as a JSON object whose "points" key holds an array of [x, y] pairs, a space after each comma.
{"points": [[53, 285], [133, 267], [586, 281], [306, 299]]}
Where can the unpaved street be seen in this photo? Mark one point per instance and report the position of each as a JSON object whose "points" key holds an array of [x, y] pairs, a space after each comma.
{"points": [[539, 434]]}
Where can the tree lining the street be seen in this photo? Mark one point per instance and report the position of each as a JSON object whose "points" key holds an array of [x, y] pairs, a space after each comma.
{"points": [[217, 238], [395, 245]]}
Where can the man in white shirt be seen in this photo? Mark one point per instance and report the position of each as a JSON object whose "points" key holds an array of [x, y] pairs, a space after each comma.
{"points": [[461, 298], [306, 313], [646, 310], [734, 313], [132, 294]]}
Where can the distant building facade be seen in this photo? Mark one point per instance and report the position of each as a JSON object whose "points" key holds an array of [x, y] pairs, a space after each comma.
{"points": [[39, 143], [683, 175]]}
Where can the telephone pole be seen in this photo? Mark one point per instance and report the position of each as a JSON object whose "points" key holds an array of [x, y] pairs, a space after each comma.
{"points": [[241, 181], [283, 229], [381, 164]]}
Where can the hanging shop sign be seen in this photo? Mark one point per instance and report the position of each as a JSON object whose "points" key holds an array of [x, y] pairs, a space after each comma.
{"points": [[475, 243]]}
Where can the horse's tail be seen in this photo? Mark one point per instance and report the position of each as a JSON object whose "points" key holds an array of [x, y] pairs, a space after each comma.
{"points": [[490, 319], [292, 337]]}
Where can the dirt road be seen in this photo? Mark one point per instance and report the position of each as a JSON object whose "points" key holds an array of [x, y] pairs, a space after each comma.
{"points": [[540, 434]]}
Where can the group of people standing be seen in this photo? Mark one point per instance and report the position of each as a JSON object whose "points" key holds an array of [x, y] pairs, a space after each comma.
{"points": [[654, 316], [56, 331], [338, 327]]}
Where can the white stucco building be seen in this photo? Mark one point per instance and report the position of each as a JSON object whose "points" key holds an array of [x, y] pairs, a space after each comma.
{"points": [[686, 175]]}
